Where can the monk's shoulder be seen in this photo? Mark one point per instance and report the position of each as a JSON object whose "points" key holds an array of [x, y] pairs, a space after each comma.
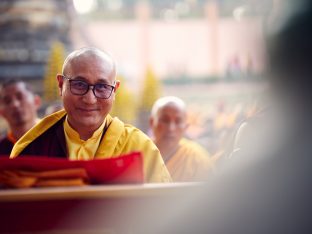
{"points": [[134, 132]]}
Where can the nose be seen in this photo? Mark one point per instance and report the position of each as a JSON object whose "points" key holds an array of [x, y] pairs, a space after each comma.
{"points": [[15, 103], [172, 126], [90, 97]]}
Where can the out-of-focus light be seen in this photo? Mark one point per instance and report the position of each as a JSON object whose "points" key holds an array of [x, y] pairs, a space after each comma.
{"points": [[238, 12], [169, 15], [115, 5], [182, 8], [84, 6]]}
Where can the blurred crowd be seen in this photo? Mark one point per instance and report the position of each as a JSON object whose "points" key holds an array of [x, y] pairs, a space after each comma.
{"points": [[216, 130]]}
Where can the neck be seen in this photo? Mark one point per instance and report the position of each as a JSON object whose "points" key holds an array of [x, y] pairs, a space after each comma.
{"points": [[85, 135], [19, 131], [84, 132], [167, 150]]}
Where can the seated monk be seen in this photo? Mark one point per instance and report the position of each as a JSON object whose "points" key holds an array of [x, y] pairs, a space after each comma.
{"points": [[84, 130], [186, 160], [18, 106]]}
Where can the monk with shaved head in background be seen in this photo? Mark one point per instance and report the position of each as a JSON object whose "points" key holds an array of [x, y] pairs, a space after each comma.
{"points": [[186, 160]]}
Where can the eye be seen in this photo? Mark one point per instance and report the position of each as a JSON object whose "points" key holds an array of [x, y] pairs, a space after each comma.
{"points": [[7, 100], [79, 84], [103, 87], [165, 120], [20, 96]]}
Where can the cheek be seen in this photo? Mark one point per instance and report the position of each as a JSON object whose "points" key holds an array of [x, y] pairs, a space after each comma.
{"points": [[10, 114], [159, 130], [5, 114], [180, 132], [68, 97], [68, 101], [29, 104], [107, 104]]}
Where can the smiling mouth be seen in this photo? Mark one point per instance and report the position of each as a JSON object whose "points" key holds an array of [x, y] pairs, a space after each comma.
{"points": [[17, 113], [86, 110]]}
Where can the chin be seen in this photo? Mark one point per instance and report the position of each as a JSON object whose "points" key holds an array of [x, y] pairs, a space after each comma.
{"points": [[170, 140], [19, 121]]}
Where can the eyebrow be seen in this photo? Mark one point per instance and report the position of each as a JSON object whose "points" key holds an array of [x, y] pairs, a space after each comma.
{"points": [[99, 81]]}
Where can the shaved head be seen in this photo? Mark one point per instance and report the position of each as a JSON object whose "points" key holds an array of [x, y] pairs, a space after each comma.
{"points": [[87, 53], [168, 122], [88, 66], [166, 101]]}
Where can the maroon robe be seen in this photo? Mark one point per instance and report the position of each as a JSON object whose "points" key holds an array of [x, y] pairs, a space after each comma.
{"points": [[51, 143], [5, 146]]}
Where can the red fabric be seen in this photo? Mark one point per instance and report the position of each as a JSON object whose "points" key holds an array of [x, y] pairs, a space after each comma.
{"points": [[118, 170]]}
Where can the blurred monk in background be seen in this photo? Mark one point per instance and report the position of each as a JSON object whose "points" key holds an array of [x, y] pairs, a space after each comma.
{"points": [[186, 160], [18, 106], [84, 130]]}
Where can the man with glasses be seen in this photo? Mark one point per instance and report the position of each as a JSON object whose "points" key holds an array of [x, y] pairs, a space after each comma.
{"points": [[186, 160], [84, 129]]}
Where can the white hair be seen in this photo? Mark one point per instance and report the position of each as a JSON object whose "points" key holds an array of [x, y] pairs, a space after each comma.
{"points": [[168, 100]]}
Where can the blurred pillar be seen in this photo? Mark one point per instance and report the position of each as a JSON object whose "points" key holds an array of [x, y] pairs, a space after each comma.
{"points": [[276, 4], [143, 14], [212, 16], [277, 7], [270, 18]]}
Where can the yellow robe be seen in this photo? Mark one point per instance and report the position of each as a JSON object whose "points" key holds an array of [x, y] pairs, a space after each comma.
{"points": [[118, 139], [191, 162]]}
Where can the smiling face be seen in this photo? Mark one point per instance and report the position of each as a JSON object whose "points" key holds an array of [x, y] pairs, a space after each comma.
{"points": [[87, 112]]}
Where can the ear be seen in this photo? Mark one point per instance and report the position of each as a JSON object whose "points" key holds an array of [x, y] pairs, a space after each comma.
{"points": [[151, 121], [60, 82], [117, 84], [38, 101]]}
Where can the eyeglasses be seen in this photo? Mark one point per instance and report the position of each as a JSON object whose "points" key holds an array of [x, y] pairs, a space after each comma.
{"points": [[80, 88]]}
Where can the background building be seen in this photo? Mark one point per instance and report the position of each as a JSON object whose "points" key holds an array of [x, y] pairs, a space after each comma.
{"points": [[28, 29]]}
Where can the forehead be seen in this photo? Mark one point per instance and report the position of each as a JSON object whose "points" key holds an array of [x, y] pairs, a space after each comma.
{"points": [[172, 109], [91, 67], [13, 88]]}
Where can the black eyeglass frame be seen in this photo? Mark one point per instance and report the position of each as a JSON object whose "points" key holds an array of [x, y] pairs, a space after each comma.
{"points": [[70, 80]]}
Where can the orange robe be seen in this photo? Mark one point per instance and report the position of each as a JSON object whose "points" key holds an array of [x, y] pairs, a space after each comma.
{"points": [[191, 162]]}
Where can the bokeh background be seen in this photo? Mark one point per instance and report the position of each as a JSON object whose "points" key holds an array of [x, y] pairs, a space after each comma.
{"points": [[210, 53]]}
